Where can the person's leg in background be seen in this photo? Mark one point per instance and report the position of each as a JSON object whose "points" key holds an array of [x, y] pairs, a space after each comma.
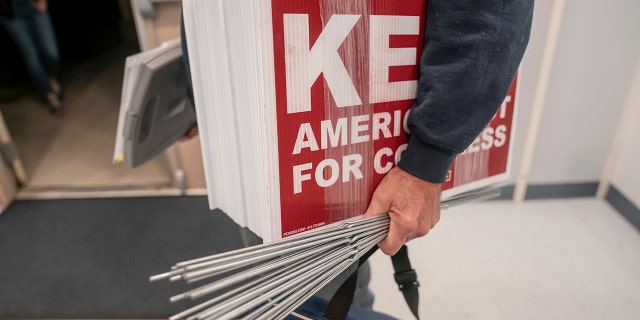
{"points": [[24, 33], [363, 297], [47, 45]]}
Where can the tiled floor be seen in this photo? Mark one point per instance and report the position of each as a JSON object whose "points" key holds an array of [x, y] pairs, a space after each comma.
{"points": [[560, 259]]}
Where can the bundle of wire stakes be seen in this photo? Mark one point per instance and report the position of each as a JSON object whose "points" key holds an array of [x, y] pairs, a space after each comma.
{"points": [[269, 281]]}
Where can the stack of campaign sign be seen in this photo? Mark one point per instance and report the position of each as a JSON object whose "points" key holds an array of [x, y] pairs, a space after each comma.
{"points": [[302, 107]]}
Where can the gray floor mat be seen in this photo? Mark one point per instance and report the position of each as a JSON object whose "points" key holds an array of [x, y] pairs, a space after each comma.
{"points": [[91, 258]]}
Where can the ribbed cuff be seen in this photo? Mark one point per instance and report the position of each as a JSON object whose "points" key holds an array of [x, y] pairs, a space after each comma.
{"points": [[426, 161]]}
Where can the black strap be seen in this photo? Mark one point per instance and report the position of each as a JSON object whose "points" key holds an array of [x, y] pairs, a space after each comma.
{"points": [[405, 277], [340, 303]]}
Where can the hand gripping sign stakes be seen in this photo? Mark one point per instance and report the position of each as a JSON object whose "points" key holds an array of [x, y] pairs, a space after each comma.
{"points": [[271, 280]]}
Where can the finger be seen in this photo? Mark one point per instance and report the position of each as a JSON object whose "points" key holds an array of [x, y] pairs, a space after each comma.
{"points": [[394, 240], [190, 134], [376, 206]]}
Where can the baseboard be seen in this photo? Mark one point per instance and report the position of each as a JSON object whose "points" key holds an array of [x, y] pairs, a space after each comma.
{"points": [[614, 197], [99, 193], [624, 206], [506, 193], [561, 191], [553, 191]]}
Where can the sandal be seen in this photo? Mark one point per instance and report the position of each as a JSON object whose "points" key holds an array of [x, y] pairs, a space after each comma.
{"points": [[57, 88], [55, 106]]}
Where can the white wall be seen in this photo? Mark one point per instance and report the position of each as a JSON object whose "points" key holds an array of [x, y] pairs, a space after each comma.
{"points": [[529, 72], [593, 65], [626, 174]]}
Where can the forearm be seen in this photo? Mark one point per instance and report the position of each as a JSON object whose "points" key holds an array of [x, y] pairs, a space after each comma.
{"points": [[471, 54]]}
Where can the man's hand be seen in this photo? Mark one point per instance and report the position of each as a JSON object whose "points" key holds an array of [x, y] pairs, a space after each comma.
{"points": [[193, 131], [412, 203]]}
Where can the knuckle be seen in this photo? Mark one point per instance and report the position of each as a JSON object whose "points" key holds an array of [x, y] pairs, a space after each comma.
{"points": [[423, 228], [422, 232], [408, 221]]}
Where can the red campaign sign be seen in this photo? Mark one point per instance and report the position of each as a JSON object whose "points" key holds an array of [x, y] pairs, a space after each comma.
{"points": [[345, 76], [346, 73]]}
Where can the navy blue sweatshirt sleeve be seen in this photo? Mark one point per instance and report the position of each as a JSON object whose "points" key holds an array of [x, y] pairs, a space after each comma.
{"points": [[472, 51]]}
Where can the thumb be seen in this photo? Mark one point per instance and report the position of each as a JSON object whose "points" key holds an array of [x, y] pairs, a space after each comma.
{"points": [[377, 206]]}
